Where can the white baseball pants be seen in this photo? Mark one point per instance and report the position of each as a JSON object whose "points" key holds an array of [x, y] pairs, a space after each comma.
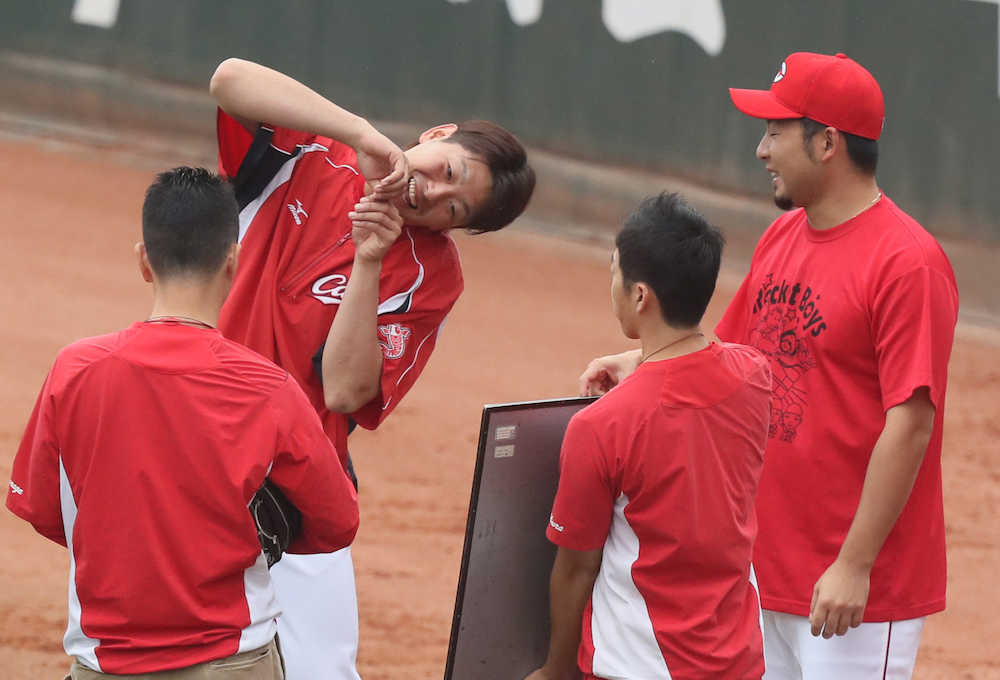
{"points": [[872, 651], [318, 626]]}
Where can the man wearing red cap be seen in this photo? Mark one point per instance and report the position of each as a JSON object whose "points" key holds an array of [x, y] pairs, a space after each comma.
{"points": [[855, 304]]}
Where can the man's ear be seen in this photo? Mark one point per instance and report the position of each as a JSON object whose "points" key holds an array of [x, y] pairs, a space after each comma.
{"points": [[832, 140], [641, 296], [145, 270], [438, 132], [232, 261]]}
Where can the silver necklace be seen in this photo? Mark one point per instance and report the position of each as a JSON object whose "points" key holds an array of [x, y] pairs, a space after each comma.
{"points": [[669, 344], [186, 320]]}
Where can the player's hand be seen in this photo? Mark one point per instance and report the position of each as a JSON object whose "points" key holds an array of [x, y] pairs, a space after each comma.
{"points": [[839, 599], [375, 227], [603, 373], [382, 163]]}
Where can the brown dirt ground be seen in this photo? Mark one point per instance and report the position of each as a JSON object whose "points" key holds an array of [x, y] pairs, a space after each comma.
{"points": [[535, 311]]}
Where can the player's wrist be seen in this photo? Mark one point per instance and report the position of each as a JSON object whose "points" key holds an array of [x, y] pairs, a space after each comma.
{"points": [[856, 559], [358, 129], [367, 263]]}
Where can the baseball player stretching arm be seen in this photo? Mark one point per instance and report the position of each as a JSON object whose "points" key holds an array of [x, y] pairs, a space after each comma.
{"points": [[352, 359], [345, 280]]}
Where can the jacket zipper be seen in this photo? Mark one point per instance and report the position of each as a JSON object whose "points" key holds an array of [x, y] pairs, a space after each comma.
{"points": [[322, 256]]}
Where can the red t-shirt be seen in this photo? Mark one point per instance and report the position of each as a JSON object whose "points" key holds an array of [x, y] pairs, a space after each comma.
{"points": [[295, 191], [661, 472], [144, 449], [853, 319]]}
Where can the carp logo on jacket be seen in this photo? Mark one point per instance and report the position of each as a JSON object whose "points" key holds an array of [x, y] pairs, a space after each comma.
{"points": [[392, 340]]}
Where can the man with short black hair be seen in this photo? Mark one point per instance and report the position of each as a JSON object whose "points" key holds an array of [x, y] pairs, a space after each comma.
{"points": [[654, 514], [144, 450]]}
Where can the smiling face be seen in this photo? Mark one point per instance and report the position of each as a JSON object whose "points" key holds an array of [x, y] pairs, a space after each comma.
{"points": [[791, 161], [448, 185]]}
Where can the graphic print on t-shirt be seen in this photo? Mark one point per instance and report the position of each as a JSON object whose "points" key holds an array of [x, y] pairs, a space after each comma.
{"points": [[787, 316]]}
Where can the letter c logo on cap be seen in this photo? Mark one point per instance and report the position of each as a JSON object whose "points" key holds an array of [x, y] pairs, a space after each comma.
{"points": [[780, 74]]}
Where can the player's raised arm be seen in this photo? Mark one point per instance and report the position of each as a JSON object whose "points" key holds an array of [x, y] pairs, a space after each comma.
{"points": [[252, 93]]}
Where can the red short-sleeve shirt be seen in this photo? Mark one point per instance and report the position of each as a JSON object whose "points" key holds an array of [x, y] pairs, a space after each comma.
{"points": [[661, 474], [854, 319]]}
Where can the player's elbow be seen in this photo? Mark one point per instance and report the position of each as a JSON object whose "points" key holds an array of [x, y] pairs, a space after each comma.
{"points": [[329, 535], [913, 420], [338, 538], [345, 398], [922, 432], [226, 73], [348, 535]]}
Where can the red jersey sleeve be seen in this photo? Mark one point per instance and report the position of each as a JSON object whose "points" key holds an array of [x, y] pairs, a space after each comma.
{"points": [[308, 470], [33, 493], [234, 142], [407, 336], [407, 341], [585, 499], [913, 320]]}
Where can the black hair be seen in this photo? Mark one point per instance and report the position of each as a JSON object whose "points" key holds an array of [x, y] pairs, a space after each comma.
{"points": [[190, 220], [862, 151], [670, 247], [513, 179]]}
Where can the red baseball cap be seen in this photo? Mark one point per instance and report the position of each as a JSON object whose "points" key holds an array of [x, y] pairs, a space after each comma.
{"points": [[836, 91]]}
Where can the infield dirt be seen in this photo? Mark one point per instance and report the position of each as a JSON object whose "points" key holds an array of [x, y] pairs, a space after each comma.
{"points": [[535, 311]]}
